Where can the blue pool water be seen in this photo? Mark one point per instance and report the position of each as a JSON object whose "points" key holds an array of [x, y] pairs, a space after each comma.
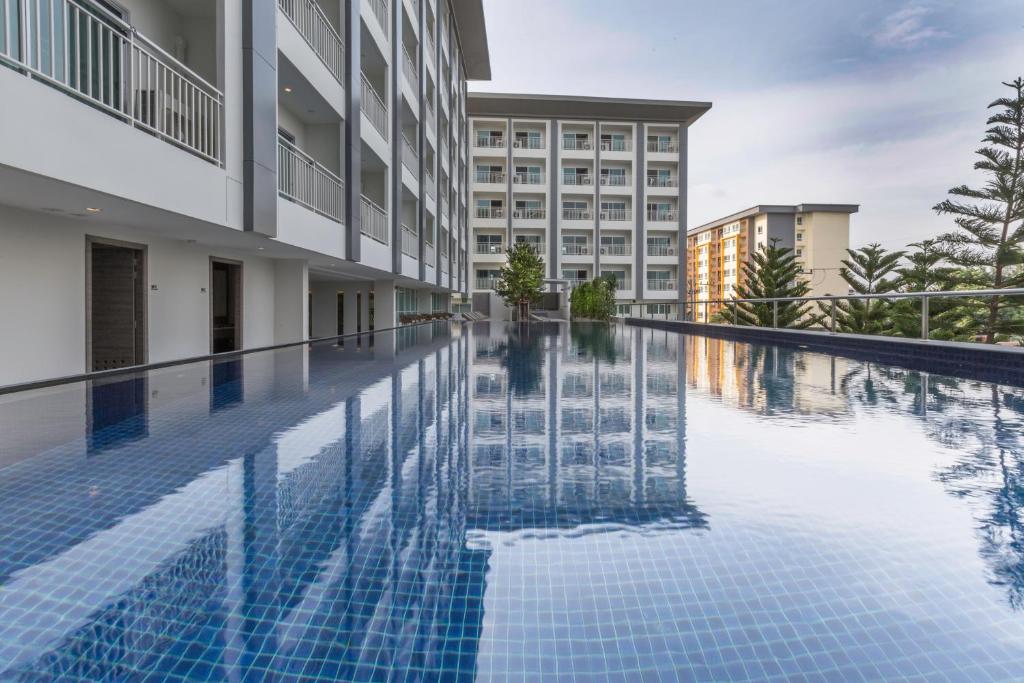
{"points": [[494, 503]]}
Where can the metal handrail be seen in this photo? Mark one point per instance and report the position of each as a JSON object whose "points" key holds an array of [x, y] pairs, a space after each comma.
{"points": [[305, 181], [577, 214], [489, 141], [409, 69], [530, 214], [616, 249], [490, 212], [616, 214], [575, 144], [662, 215], [662, 181], [659, 285], [374, 108], [410, 241], [577, 179], [575, 250], [616, 180], [617, 145], [529, 142], [668, 147], [82, 48], [489, 177], [380, 10], [314, 26], [373, 220]]}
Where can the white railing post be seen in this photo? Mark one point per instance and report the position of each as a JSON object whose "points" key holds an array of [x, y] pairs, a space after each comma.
{"points": [[924, 318]]}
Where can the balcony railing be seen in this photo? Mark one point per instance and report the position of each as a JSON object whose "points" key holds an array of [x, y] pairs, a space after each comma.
{"points": [[430, 46], [410, 157], [490, 212], [528, 143], [380, 10], [616, 214], [374, 108], [410, 241], [669, 147], [617, 180], [574, 144], [662, 215], [316, 28], [305, 181], [430, 183], [373, 221], [662, 181], [577, 214], [537, 246], [485, 282], [528, 178], [409, 69], [488, 248], [617, 145], [658, 250], [488, 177], [616, 250], [428, 254], [532, 214], [577, 179], [489, 141], [81, 48], [659, 285], [575, 249]]}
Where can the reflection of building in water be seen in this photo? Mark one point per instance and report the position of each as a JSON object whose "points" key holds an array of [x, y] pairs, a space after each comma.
{"points": [[767, 379], [599, 436]]}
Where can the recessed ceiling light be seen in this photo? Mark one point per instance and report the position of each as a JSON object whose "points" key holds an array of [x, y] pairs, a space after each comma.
{"points": [[92, 209], [260, 248], [287, 89]]}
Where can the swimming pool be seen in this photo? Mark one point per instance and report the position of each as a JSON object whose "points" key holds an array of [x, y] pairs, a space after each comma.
{"points": [[491, 502]]}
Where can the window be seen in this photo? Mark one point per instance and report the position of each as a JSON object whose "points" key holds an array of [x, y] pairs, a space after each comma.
{"points": [[799, 220], [799, 252], [574, 244], [528, 139], [405, 300], [799, 237], [576, 140], [489, 138], [619, 275], [760, 230], [614, 142], [528, 174], [572, 274], [662, 211], [575, 175], [486, 173]]}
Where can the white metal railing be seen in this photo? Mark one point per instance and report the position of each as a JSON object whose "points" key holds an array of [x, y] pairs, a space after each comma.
{"points": [[537, 245], [662, 215], [617, 145], [658, 250], [490, 141], [577, 214], [410, 157], [662, 181], [430, 183], [616, 180], [577, 179], [616, 214], [489, 177], [486, 282], [489, 248], [431, 46], [576, 281], [428, 254], [669, 147], [528, 178], [316, 28], [374, 108], [532, 214], [575, 249], [528, 142], [373, 220], [409, 69], [616, 249], [575, 144], [410, 241], [431, 116], [660, 285], [443, 208], [305, 181], [380, 10], [490, 212], [83, 49]]}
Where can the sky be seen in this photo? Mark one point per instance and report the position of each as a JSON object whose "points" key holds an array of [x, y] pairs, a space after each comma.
{"points": [[880, 103]]}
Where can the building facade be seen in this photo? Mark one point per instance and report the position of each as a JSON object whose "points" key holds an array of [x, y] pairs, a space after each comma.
{"points": [[182, 178], [597, 186], [818, 234]]}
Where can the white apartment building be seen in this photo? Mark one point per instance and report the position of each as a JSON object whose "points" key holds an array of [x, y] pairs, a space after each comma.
{"points": [[596, 185], [184, 177]]}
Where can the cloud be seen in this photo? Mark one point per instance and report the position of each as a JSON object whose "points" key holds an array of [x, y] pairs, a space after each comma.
{"points": [[907, 28]]}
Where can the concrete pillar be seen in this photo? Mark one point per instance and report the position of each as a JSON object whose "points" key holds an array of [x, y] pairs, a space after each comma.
{"points": [[384, 304], [325, 309], [364, 314], [291, 291], [350, 324]]}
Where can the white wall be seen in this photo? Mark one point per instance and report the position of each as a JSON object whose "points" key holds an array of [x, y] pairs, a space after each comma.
{"points": [[42, 295]]}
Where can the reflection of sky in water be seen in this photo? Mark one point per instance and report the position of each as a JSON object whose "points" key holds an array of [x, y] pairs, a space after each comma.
{"points": [[493, 502]]}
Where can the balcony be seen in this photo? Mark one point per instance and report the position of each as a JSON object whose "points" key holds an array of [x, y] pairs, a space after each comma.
{"points": [[617, 145], [663, 215], [616, 250], [576, 179], [84, 50], [374, 108], [528, 143], [616, 214], [528, 178], [489, 142], [537, 245], [410, 157], [491, 178], [663, 147], [373, 221], [575, 249], [657, 250], [531, 214], [409, 70], [490, 212], [576, 145], [380, 10], [313, 25], [577, 214], [662, 181], [485, 282], [618, 180], [305, 181], [410, 241], [488, 248], [660, 285]]}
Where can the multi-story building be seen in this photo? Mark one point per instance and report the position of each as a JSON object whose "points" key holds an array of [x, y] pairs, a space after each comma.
{"points": [[182, 178], [818, 234], [596, 185]]}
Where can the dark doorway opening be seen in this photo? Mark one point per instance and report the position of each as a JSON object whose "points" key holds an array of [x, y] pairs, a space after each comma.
{"points": [[116, 319], [225, 306]]}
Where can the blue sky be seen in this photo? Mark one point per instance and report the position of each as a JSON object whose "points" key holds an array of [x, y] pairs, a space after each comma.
{"points": [[876, 102]]}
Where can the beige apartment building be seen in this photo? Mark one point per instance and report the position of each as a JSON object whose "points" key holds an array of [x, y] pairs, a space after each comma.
{"points": [[819, 234]]}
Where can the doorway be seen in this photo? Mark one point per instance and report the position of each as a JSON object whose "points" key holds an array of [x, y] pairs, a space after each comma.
{"points": [[116, 305], [225, 306]]}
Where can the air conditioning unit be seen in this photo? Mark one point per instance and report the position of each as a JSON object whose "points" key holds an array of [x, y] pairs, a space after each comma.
{"points": [[671, 251], [586, 145], [515, 179], [516, 144], [517, 214], [604, 215], [604, 180], [585, 180], [587, 215]]}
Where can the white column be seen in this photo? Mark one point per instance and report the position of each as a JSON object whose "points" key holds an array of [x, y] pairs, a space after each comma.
{"points": [[364, 314], [423, 302], [384, 304], [291, 291], [325, 309]]}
